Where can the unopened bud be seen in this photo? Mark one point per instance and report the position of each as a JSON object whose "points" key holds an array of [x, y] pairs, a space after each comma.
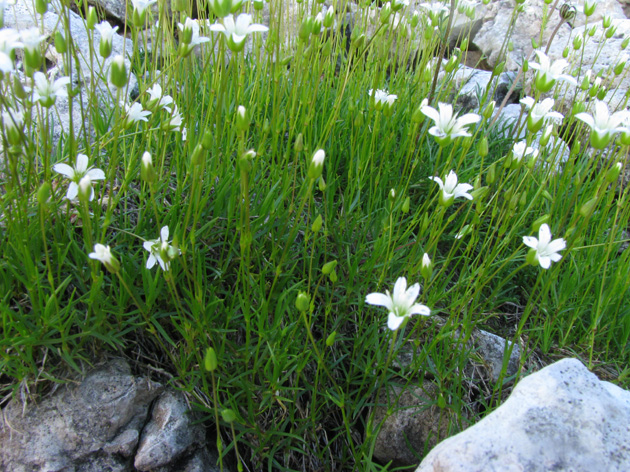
{"points": [[482, 147], [197, 155], [329, 267], [118, 72], [406, 204], [426, 269], [85, 189], [317, 224], [298, 146], [330, 340], [316, 167], [147, 171], [242, 119], [92, 18], [329, 18], [303, 302], [588, 208], [386, 10], [61, 46], [228, 415], [210, 360], [613, 173], [491, 177]]}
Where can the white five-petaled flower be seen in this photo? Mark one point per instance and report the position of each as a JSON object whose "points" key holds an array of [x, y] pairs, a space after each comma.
{"points": [[521, 150], [603, 125], [540, 113], [447, 125], [175, 122], [46, 92], [141, 5], [236, 32], [106, 31], [191, 38], [382, 98], [76, 173], [544, 250], [451, 189], [134, 113], [547, 73], [104, 254], [401, 304], [31, 38], [160, 251], [159, 100], [9, 40]]}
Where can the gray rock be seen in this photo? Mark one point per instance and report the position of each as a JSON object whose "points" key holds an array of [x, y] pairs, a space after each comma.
{"points": [[69, 430], [560, 418], [169, 434], [412, 423]]}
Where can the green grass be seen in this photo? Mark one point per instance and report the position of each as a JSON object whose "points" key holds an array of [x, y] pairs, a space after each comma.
{"points": [[294, 389]]}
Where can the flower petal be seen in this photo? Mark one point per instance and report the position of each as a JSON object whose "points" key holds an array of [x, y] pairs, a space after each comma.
{"points": [[394, 322], [379, 299], [64, 169]]}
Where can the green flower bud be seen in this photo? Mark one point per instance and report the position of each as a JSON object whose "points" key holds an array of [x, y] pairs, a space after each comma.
{"points": [[179, 5], [228, 415], [118, 72], [246, 161], [210, 360], [589, 7], [330, 340], [147, 171], [329, 18], [386, 10], [391, 196], [61, 46], [610, 32], [491, 177], [613, 173], [206, 141], [18, 88], [92, 18], [532, 257], [329, 267], [316, 167], [482, 147], [196, 157], [322, 184], [317, 224], [298, 146], [333, 276], [624, 43], [488, 111], [426, 268], [565, 52], [607, 21], [259, 5], [588, 208], [406, 204], [577, 42], [242, 119], [303, 302], [305, 29], [105, 48], [43, 194]]}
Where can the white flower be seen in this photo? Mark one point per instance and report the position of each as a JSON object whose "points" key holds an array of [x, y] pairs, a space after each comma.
{"points": [[190, 30], [451, 189], [547, 73], [46, 92], [158, 100], [603, 125], [544, 250], [31, 38], [106, 31], [540, 113], [175, 122], [434, 9], [76, 173], [141, 5], [134, 113], [237, 31], [160, 251], [382, 98], [104, 254], [401, 304], [521, 150], [9, 40], [447, 125]]}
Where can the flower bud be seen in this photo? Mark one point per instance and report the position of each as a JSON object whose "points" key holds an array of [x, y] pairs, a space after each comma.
{"points": [[317, 24], [259, 5], [329, 18], [196, 157], [330, 340], [246, 161], [565, 52], [298, 146], [546, 136], [613, 173], [317, 164], [321, 184], [329, 267], [210, 360], [105, 48], [206, 141], [406, 204], [391, 196], [624, 137], [242, 119], [61, 46], [577, 42], [567, 12], [624, 43], [92, 18], [592, 30], [588, 208], [532, 257], [606, 21], [317, 224], [228, 415], [386, 10], [589, 7], [610, 32], [488, 111], [118, 72], [426, 269], [43, 194], [482, 147], [85, 189], [303, 302], [147, 171], [539, 222], [333, 276], [18, 88], [305, 28], [415, 19], [492, 174]]}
